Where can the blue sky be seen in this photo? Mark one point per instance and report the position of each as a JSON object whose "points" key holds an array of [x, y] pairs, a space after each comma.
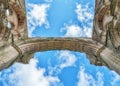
{"points": [[59, 18]]}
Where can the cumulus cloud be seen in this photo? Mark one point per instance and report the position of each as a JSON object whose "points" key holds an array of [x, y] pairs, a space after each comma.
{"points": [[85, 15], [72, 31], [87, 31], [37, 16], [84, 12], [28, 75], [88, 80], [64, 59], [115, 79], [76, 31]]}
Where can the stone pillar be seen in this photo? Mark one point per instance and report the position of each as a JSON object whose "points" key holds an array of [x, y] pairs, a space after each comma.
{"points": [[8, 55], [112, 59]]}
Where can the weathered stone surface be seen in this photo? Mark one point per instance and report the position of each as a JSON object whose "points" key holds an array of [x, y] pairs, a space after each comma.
{"points": [[77, 44], [8, 55], [102, 49]]}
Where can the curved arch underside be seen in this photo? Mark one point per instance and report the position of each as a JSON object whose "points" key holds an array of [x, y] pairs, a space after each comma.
{"points": [[74, 44]]}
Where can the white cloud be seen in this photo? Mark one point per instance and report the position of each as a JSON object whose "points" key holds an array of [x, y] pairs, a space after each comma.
{"points": [[115, 79], [76, 31], [28, 75], [84, 13], [65, 59], [87, 31], [37, 16], [88, 80], [72, 31]]}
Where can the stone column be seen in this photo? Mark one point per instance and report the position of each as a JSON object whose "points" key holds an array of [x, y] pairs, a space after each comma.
{"points": [[8, 55], [112, 59]]}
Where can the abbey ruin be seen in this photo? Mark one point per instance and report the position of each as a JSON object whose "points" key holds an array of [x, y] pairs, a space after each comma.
{"points": [[102, 49]]}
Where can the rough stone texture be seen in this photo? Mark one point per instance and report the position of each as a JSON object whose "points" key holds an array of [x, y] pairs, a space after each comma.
{"points": [[107, 32], [102, 49], [8, 55]]}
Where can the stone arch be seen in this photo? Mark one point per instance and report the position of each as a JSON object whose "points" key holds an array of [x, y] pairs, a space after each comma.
{"points": [[75, 44], [31, 45]]}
